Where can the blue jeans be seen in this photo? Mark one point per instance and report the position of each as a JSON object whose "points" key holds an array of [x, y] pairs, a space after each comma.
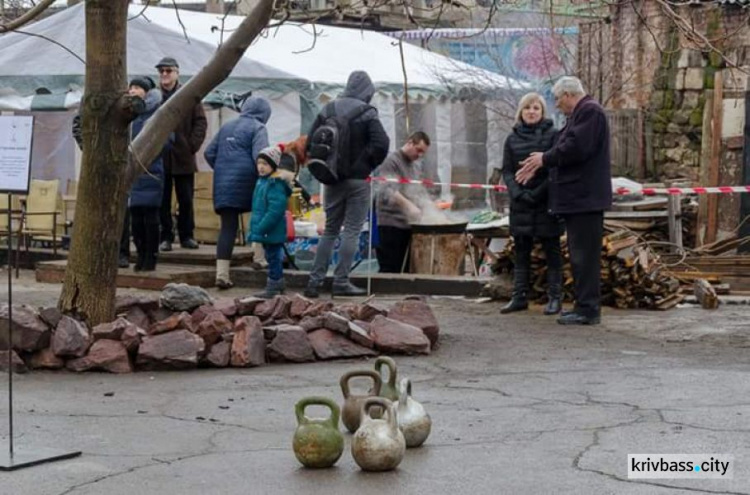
{"points": [[274, 258]]}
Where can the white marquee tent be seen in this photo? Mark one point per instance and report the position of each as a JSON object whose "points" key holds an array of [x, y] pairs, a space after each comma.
{"points": [[298, 67]]}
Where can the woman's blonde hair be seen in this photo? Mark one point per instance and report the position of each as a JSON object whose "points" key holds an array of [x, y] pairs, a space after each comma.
{"points": [[527, 100]]}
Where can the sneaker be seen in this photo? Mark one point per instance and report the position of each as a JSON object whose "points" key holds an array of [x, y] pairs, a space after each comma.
{"points": [[123, 262], [347, 289], [312, 291], [222, 284], [165, 246], [189, 244]]}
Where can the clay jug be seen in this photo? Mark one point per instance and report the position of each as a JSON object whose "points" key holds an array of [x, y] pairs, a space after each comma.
{"points": [[378, 444], [352, 409], [388, 389], [413, 420], [317, 443]]}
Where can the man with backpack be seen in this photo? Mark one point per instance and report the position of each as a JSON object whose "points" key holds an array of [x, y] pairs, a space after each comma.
{"points": [[345, 144]]}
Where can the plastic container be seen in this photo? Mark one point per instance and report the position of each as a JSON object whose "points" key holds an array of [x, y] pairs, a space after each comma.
{"points": [[304, 260]]}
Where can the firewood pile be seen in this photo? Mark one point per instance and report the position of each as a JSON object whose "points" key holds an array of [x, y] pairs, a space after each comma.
{"points": [[632, 275]]}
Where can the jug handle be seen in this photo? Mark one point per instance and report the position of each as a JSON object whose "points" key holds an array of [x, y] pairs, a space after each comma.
{"points": [[299, 409], [369, 402], [344, 382], [392, 369], [404, 391]]}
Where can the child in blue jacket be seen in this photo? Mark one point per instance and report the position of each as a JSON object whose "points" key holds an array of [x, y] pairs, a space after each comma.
{"points": [[268, 222]]}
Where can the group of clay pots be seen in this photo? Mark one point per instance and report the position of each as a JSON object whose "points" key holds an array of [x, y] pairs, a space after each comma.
{"points": [[385, 422]]}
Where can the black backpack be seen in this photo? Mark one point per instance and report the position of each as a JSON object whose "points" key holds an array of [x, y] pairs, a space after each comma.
{"points": [[329, 145]]}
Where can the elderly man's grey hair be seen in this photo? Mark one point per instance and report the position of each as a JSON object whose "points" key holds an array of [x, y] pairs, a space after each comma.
{"points": [[570, 85]]}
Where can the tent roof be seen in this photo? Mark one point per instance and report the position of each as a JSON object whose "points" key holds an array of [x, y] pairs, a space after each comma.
{"points": [[289, 58], [328, 54]]}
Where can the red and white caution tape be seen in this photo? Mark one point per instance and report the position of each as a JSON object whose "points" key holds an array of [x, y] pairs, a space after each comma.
{"points": [[646, 191]]}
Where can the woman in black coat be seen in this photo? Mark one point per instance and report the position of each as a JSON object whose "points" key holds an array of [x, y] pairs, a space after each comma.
{"points": [[529, 213]]}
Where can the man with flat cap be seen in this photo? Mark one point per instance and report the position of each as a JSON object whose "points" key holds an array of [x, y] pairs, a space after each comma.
{"points": [[179, 163]]}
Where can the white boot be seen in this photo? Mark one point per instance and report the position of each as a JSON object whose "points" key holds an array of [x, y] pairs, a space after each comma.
{"points": [[222, 274], [259, 257]]}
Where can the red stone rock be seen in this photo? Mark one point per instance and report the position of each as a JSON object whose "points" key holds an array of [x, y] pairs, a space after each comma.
{"points": [[270, 331], [177, 349], [227, 306], [281, 311], [46, 360], [333, 345], [291, 344], [318, 309], [360, 335], [350, 311], [131, 338], [265, 309], [219, 355], [112, 330], [310, 323], [213, 327], [16, 362], [248, 346], [335, 322], [179, 321], [51, 316], [30, 333], [417, 313], [246, 306], [201, 312], [138, 317], [299, 306], [146, 303], [370, 310], [392, 336], [105, 354], [158, 314], [71, 338]]}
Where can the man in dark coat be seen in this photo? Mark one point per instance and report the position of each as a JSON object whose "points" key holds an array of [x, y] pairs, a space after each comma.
{"points": [[179, 162], [348, 201], [580, 191]]}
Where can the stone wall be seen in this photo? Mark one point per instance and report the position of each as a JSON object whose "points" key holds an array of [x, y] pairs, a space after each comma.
{"points": [[657, 69]]}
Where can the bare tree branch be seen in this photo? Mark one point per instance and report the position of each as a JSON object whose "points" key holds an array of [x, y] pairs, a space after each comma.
{"points": [[26, 33], [29, 16]]}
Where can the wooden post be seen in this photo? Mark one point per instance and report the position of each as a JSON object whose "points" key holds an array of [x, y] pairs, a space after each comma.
{"points": [[674, 209], [705, 164], [712, 227]]}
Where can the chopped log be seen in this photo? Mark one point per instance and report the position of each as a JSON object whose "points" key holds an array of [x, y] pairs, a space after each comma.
{"points": [[706, 294]]}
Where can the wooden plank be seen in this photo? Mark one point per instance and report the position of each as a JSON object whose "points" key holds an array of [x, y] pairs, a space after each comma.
{"points": [[712, 226], [635, 214], [705, 294], [674, 209]]}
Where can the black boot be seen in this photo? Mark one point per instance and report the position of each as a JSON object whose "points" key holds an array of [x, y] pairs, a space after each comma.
{"points": [[519, 301], [139, 261], [554, 293]]}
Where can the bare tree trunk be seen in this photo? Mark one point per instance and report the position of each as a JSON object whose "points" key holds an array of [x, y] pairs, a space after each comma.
{"points": [[90, 277], [215, 6]]}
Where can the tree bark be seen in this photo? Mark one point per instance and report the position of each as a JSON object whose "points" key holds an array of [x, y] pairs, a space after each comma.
{"points": [[106, 176], [90, 277]]}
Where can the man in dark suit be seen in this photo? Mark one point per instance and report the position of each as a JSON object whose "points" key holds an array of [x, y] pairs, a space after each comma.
{"points": [[179, 162], [580, 191]]}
